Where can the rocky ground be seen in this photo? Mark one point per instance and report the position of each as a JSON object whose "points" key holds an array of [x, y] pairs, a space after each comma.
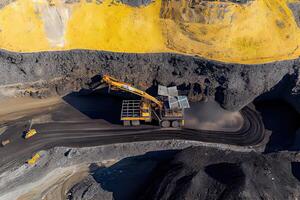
{"points": [[203, 172], [159, 170], [133, 162], [196, 173], [210, 172], [232, 85]]}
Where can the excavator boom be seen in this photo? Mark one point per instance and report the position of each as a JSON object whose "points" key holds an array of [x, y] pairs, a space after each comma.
{"points": [[127, 87]]}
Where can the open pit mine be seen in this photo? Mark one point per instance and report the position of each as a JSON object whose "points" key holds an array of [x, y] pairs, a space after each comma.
{"points": [[149, 99]]}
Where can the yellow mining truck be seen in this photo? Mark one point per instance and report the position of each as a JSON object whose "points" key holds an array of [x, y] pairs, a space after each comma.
{"points": [[30, 133], [34, 159], [169, 111]]}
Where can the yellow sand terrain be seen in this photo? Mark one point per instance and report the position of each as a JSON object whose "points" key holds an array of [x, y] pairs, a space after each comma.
{"points": [[256, 32]]}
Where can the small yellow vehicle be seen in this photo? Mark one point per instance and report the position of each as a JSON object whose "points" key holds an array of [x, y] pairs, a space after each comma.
{"points": [[34, 159], [30, 133], [5, 142]]}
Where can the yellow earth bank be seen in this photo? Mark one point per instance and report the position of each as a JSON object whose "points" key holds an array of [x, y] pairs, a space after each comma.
{"points": [[255, 32]]}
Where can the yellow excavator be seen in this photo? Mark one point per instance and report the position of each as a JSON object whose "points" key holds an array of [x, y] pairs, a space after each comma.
{"points": [[30, 132], [168, 112]]}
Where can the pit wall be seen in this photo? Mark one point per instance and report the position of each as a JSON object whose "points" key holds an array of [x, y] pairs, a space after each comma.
{"points": [[251, 32], [59, 73]]}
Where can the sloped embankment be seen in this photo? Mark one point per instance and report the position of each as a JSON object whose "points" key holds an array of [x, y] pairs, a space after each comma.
{"points": [[198, 173], [232, 85]]}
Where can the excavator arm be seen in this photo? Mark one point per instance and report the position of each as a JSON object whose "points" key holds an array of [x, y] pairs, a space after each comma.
{"points": [[128, 88]]}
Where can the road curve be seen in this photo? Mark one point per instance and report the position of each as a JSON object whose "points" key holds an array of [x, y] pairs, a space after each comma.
{"points": [[251, 133]]}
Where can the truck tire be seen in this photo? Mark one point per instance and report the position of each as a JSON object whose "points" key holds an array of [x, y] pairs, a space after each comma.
{"points": [[165, 124], [126, 123], [175, 124], [135, 122]]}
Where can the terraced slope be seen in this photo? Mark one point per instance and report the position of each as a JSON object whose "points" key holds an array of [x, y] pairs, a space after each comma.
{"points": [[253, 31]]}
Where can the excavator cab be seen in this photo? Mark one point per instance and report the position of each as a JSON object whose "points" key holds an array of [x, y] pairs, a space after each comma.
{"points": [[172, 114], [172, 118]]}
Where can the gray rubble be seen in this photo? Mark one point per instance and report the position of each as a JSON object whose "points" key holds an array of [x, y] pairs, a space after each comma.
{"points": [[136, 3], [196, 173], [88, 189], [14, 180], [295, 7]]}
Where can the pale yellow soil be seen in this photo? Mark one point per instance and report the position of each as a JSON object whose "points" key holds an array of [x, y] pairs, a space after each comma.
{"points": [[256, 32], [14, 108], [56, 186]]}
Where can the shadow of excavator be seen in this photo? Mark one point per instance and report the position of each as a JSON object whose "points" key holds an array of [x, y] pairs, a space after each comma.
{"points": [[97, 101]]}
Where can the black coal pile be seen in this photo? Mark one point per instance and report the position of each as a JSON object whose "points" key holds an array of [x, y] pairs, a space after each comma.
{"points": [[195, 173], [204, 173]]}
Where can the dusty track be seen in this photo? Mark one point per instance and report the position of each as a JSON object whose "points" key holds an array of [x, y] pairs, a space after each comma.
{"points": [[67, 134]]}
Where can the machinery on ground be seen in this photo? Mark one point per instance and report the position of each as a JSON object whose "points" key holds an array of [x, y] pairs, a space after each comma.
{"points": [[5, 142], [30, 132], [169, 111], [34, 159]]}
